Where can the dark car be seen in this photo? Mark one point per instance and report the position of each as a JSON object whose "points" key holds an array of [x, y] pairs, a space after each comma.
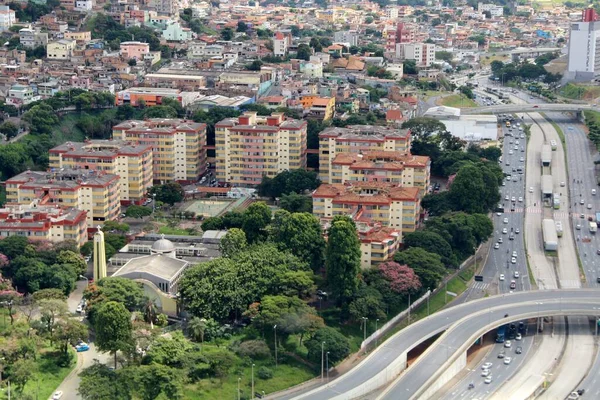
{"points": [[519, 350], [598, 279], [501, 355]]}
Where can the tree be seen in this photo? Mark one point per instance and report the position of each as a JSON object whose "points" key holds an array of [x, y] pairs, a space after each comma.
{"points": [[474, 189], [99, 382], [170, 193], [196, 328], [296, 203], [153, 380], [242, 27], [401, 277], [9, 130], [13, 246], [160, 112], [300, 234], [68, 332], [286, 182], [115, 226], [443, 55], [256, 219], [113, 328], [467, 91], [431, 242], [227, 34], [122, 290], [436, 22], [41, 119], [233, 242], [496, 67], [426, 265], [51, 310], [410, 67], [76, 261], [22, 371], [135, 211], [255, 65], [342, 258], [11, 299], [335, 343], [316, 44], [303, 52], [367, 303]]}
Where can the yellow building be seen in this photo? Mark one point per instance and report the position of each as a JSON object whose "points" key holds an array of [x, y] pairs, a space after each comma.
{"points": [[132, 163], [399, 168], [179, 146], [250, 147], [84, 36], [60, 50], [372, 202], [95, 192], [358, 139], [44, 222], [322, 108], [377, 244]]}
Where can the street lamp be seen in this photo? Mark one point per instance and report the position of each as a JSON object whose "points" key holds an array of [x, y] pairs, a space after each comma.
{"points": [[376, 328], [153, 203], [86, 280], [275, 330], [252, 382], [365, 319], [428, 296], [322, 350], [327, 361]]}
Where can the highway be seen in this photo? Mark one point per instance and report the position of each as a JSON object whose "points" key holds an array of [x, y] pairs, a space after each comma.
{"points": [[478, 313], [526, 108]]}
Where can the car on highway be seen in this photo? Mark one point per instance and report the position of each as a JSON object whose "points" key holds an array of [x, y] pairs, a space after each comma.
{"points": [[514, 178], [57, 395], [504, 231], [513, 199], [518, 337], [582, 201], [487, 365], [507, 360], [562, 184], [501, 354], [530, 189], [598, 280], [501, 277], [516, 147], [520, 199], [522, 159], [513, 260], [513, 284], [516, 275], [573, 396], [514, 254], [488, 379], [503, 183], [507, 344], [589, 206], [511, 236], [506, 198], [593, 192], [517, 230], [485, 372], [578, 227], [497, 246], [510, 152], [519, 350], [505, 220]]}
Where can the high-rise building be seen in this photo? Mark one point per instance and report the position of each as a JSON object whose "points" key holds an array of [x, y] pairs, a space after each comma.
{"points": [[350, 37], [422, 53], [7, 18], [132, 163], [358, 139], [178, 146], [281, 44], [405, 33], [95, 192], [250, 147], [583, 62]]}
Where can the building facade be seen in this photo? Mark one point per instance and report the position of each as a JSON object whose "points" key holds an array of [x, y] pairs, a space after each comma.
{"points": [[350, 37], [250, 147], [44, 222], [94, 192], [358, 139], [30, 38], [60, 50], [7, 18], [281, 44], [132, 163], [178, 146], [134, 50], [422, 53], [583, 63]]}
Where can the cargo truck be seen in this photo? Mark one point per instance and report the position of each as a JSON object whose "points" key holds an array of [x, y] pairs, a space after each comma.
{"points": [[593, 227]]}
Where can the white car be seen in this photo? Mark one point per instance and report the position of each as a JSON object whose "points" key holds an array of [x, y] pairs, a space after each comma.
{"points": [[57, 395], [507, 344], [501, 277], [513, 260], [516, 147], [79, 308], [520, 199], [506, 198], [593, 192], [530, 189], [516, 275], [500, 240], [511, 152], [562, 184], [488, 379], [514, 254], [578, 227], [507, 360], [487, 365], [485, 372], [505, 220], [513, 199], [518, 337], [582, 201], [589, 206], [497, 246], [522, 159], [504, 231], [517, 230]]}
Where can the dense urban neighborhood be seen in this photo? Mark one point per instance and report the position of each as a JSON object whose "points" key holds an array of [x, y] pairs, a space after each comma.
{"points": [[303, 199]]}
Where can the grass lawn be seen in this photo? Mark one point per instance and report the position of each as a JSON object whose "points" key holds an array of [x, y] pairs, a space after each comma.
{"points": [[487, 59], [456, 100], [592, 116], [66, 130], [579, 92], [285, 375], [167, 230]]}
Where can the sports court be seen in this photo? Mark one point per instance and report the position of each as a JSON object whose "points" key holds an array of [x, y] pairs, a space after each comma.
{"points": [[208, 208]]}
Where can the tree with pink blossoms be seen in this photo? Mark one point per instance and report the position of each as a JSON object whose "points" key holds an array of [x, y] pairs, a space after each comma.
{"points": [[402, 278]]}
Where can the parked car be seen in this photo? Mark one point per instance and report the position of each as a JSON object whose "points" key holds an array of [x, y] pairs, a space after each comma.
{"points": [[57, 395], [82, 347]]}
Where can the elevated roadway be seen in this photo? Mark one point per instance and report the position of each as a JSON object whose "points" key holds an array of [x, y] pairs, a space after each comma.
{"points": [[523, 108], [463, 325]]}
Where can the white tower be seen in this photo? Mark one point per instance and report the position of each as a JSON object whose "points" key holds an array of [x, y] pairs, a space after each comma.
{"points": [[99, 256]]}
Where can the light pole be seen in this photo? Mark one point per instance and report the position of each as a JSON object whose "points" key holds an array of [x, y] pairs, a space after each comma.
{"points": [[409, 308], [252, 382], [376, 328], [153, 203], [239, 394], [322, 365], [428, 296], [86, 280], [327, 363], [275, 330], [365, 319]]}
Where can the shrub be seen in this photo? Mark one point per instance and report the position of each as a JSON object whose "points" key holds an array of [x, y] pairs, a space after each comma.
{"points": [[255, 349], [265, 373]]}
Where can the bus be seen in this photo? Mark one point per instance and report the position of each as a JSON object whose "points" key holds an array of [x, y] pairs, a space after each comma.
{"points": [[508, 124], [501, 334]]}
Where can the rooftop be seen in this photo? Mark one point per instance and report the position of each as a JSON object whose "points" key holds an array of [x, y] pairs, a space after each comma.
{"points": [[156, 265]]}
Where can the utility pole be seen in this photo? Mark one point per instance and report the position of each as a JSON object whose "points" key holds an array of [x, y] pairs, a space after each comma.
{"points": [[252, 382], [275, 330], [322, 365]]}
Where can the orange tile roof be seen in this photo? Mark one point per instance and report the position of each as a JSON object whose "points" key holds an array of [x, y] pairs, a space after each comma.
{"points": [[321, 101]]}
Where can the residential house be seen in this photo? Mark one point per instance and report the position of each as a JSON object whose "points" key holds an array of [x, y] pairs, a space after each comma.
{"points": [[134, 50], [60, 50], [31, 38], [175, 32]]}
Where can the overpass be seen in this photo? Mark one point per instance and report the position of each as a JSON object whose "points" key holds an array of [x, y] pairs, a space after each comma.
{"points": [[462, 325], [522, 108]]}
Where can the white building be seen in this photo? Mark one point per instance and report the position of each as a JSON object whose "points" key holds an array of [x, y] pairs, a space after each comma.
{"points": [[7, 18], [312, 69], [495, 10], [584, 48], [350, 37], [281, 43], [391, 12], [472, 128], [422, 53], [84, 5], [175, 32]]}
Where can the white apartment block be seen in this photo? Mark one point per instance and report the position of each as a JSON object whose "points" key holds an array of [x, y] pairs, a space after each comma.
{"points": [[391, 12], [583, 63], [7, 18], [281, 44], [495, 10], [422, 53], [350, 37]]}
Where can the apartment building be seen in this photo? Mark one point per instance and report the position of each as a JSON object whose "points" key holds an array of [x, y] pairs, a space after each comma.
{"points": [[7, 18], [80, 37], [358, 139], [377, 243], [250, 147], [44, 222], [422, 53], [322, 108], [95, 192], [404, 33], [374, 202], [281, 44], [31, 38], [350, 37], [401, 169], [60, 50], [178, 146], [165, 7], [584, 48], [134, 50], [176, 81], [132, 163]]}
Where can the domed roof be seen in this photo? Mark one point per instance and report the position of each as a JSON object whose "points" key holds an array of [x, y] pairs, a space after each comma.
{"points": [[162, 245]]}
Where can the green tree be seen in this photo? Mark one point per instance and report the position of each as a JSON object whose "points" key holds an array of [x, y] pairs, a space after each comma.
{"points": [[300, 234], [160, 112], [303, 52], [22, 371], [113, 328], [116, 226], [342, 258], [256, 219], [227, 34], [315, 44], [135, 211], [443, 55], [293, 202], [410, 67], [68, 332], [9, 130], [255, 65], [241, 27], [335, 343], [170, 193], [13, 246], [496, 67], [368, 303], [154, 380], [99, 382], [428, 266], [233, 242], [286, 182], [196, 329], [73, 259], [431, 242], [41, 119], [51, 310]]}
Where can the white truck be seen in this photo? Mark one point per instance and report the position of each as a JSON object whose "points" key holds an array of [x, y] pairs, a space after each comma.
{"points": [[593, 227]]}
